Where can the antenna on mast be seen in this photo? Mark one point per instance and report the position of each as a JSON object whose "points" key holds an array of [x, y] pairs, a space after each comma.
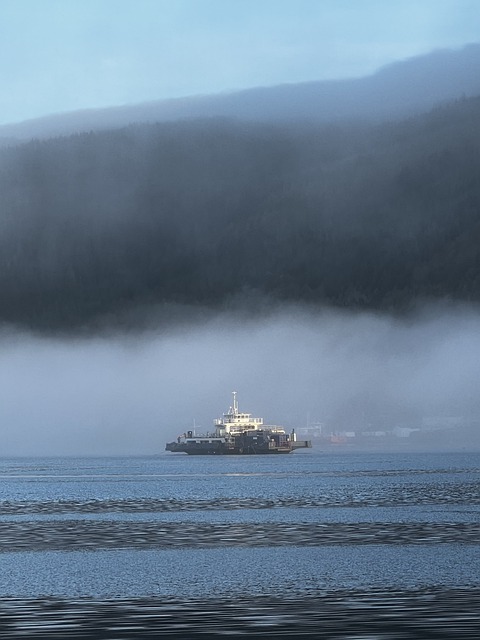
{"points": [[235, 405]]}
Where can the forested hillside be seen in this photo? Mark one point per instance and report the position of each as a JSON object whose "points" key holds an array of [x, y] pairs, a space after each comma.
{"points": [[214, 212]]}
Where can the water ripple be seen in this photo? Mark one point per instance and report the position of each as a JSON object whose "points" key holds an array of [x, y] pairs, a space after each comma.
{"points": [[392, 614], [465, 493], [69, 535]]}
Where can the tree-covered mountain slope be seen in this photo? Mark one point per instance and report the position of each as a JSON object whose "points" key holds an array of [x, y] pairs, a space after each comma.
{"points": [[210, 213]]}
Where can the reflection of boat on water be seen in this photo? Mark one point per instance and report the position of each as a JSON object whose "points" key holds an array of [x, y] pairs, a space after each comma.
{"points": [[238, 433]]}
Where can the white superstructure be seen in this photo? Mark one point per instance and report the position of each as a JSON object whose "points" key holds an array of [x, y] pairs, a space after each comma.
{"points": [[234, 421]]}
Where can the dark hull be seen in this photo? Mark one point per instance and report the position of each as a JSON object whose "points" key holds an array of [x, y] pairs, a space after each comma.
{"points": [[231, 453], [241, 449]]}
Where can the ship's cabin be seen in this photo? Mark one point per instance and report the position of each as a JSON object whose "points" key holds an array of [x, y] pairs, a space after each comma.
{"points": [[235, 422], [231, 422]]}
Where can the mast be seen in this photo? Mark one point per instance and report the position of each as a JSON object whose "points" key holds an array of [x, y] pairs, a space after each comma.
{"points": [[235, 404]]}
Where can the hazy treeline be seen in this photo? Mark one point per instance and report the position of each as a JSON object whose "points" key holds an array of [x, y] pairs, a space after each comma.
{"points": [[399, 90], [204, 212]]}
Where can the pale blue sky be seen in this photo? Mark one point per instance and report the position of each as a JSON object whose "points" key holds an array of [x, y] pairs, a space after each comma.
{"points": [[62, 55]]}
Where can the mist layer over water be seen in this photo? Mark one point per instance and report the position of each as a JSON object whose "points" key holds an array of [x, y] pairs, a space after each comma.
{"points": [[129, 394]]}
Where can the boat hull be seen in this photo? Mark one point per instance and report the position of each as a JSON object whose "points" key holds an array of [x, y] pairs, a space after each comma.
{"points": [[213, 451], [198, 448]]}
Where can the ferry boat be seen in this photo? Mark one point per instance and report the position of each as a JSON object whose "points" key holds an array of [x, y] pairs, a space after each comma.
{"points": [[238, 433]]}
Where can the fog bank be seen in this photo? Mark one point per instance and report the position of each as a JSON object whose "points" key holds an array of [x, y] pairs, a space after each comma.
{"points": [[129, 395]]}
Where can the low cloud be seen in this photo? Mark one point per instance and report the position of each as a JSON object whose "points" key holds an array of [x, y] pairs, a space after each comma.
{"points": [[129, 395]]}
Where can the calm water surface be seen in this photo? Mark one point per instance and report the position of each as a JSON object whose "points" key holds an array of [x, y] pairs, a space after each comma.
{"points": [[307, 525]]}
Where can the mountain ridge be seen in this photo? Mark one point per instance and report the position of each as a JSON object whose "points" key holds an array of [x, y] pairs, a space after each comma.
{"points": [[395, 91]]}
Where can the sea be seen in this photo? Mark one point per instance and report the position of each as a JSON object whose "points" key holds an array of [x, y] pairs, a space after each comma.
{"points": [[315, 544]]}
